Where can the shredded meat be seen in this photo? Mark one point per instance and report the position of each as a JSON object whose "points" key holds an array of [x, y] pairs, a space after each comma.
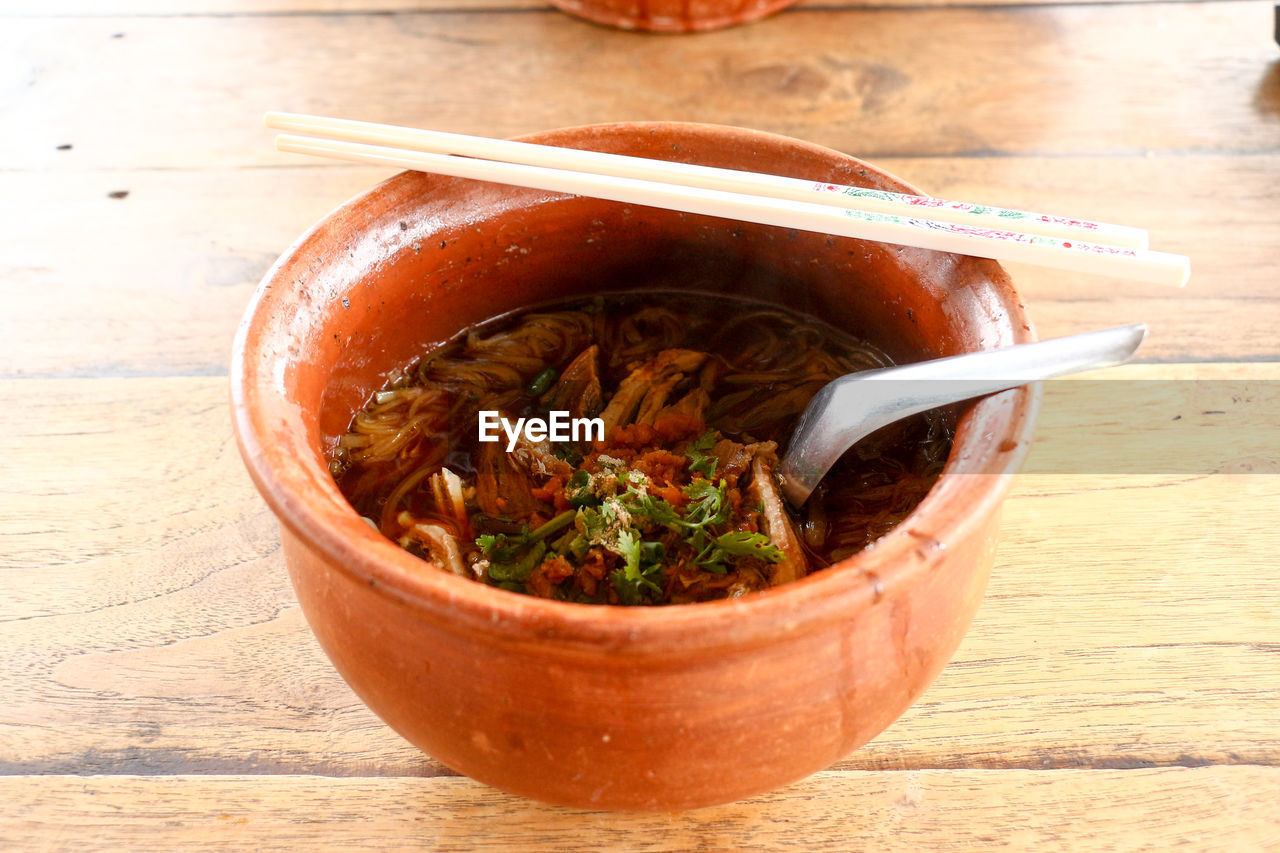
{"points": [[502, 488], [439, 543], [578, 391], [775, 523], [644, 392]]}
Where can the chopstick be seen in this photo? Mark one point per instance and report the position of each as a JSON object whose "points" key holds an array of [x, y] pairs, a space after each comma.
{"points": [[1068, 252], [707, 177]]}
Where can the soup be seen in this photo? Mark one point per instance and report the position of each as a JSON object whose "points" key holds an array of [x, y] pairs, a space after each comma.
{"points": [[620, 450]]}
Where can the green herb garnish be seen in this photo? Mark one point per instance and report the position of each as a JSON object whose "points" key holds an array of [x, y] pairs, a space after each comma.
{"points": [[655, 509], [700, 462], [592, 523], [515, 556], [504, 546], [635, 580], [708, 503], [542, 382], [518, 569], [737, 543], [578, 489]]}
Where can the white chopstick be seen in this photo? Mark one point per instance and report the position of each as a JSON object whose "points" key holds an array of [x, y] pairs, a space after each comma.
{"points": [[1072, 254], [707, 177]]}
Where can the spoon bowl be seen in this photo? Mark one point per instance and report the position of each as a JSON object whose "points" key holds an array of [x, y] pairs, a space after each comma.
{"points": [[852, 407]]}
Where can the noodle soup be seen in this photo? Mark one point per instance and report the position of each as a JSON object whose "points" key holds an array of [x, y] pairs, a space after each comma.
{"points": [[673, 498]]}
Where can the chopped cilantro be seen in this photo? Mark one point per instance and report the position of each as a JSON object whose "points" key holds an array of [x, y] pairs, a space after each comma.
{"points": [[654, 509], [737, 543], [614, 510], [740, 543], [700, 462], [708, 503], [592, 523], [636, 577], [629, 548]]}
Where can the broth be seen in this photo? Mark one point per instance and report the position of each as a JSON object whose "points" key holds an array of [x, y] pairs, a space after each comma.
{"points": [[675, 501]]}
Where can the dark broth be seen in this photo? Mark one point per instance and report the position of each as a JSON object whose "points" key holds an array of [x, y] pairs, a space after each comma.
{"points": [[762, 367]]}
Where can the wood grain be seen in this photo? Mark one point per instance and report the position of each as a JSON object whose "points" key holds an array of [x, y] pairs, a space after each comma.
{"points": [[1224, 808], [142, 589], [189, 8], [159, 277], [183, 93], [1120, 687], [153, 287], [154, 282]]}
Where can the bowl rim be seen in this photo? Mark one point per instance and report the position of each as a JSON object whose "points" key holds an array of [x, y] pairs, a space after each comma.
{"points": [[294, 486]]}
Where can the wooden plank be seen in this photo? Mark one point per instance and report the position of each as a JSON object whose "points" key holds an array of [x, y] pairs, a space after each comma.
{"points": [[154, 282], [180, 93], [130, 524], [1208, 808], [189, 8], [223, 8], [148, 284], [1128, 622]]}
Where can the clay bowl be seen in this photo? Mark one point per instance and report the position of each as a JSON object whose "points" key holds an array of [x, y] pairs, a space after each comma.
{"points": [[595, 706], [671, 16]]}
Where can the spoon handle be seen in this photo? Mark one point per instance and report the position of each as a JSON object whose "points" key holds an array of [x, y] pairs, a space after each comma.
{"points": [[851, 407], [1008, 367]]}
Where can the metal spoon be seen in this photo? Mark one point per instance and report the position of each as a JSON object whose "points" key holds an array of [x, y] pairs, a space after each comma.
{"points": [[852, 407]]}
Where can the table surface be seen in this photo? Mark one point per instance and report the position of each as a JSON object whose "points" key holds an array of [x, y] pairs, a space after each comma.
{"points": [[1120, 687]]}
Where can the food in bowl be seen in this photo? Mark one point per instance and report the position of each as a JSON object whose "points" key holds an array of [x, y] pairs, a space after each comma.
{"points": [[673, 499], [635, 708]]}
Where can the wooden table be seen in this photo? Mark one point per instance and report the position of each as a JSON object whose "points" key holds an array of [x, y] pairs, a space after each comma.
{"points": [[1120, 687]]}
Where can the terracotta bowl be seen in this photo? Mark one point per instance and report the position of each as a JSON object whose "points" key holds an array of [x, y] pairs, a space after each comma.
{"points": [[596, 706], [672, 16]]}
